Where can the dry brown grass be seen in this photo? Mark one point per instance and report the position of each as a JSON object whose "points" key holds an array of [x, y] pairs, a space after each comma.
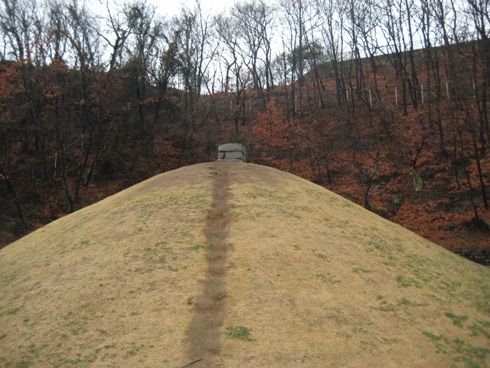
{"points": [[316, 280]]}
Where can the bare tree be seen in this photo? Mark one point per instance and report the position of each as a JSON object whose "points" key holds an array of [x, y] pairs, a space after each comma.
{"points": [[331, 21], [302, 22], [478, 13], [117, 31], [397, 26], [237, 76], [255, 25], [195, 55], [15, 22]]}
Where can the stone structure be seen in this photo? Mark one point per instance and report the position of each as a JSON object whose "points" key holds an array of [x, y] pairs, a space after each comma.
{"points": [[231, 152]]}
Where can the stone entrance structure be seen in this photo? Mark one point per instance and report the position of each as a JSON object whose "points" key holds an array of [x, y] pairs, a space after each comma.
{"points": [[231, 152]]}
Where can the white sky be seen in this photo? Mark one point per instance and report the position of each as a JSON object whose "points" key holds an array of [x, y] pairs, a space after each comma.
{"points": [[169, 8]]}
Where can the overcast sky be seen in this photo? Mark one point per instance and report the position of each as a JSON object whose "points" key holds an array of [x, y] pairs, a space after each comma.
{"points": [[169, 8]]}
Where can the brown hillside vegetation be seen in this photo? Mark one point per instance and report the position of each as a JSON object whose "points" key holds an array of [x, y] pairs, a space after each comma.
{"points": [[291, 274]]}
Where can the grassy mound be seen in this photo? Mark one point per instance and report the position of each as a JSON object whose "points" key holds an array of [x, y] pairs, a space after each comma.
{"points": [[237, 265]]}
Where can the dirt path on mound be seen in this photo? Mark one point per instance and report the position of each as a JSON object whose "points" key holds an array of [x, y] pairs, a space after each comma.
{"points": [[205, 327]]}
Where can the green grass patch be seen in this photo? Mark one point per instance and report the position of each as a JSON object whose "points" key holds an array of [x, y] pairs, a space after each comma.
{"points": [[109, 346], [360, 270], [461, 350], [389, 341], [327, 278], [136, 349], [399, 247], [78, 330], [290, 214], [385, 307], [432, 336], [24, 364], [369, 343], [319, 255], [449, 287], [406, 302], [480, 328], [407, 282], [239, 332], [195, 247], [457, 320], [11, 312]]}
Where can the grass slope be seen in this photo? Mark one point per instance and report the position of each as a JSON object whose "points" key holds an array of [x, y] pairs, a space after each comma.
{"points": [[310, 279]]}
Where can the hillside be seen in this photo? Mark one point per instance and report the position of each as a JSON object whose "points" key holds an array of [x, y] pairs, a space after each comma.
{"points": [[291, 273], [418, 158]]}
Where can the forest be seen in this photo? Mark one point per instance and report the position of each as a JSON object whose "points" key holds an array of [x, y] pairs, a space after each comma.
{"points": [[384, 102]]}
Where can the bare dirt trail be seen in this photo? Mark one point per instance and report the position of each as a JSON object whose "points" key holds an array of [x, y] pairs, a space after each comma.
{"points": [[205, 327]]}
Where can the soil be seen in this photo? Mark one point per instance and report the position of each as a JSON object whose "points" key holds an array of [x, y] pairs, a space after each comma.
{"points": [[205, 329]]}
